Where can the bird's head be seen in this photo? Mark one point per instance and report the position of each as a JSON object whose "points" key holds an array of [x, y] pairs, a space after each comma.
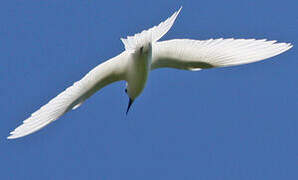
{"points": [[131, 98]]}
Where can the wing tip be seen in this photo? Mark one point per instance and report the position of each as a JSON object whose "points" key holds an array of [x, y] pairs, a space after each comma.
{"points": [[290, 45], [12, 136], [284, 46], [177, 12]]}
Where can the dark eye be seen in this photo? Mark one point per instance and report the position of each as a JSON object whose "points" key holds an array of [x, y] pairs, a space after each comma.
{"points": [[141, 49], [125, 90]]}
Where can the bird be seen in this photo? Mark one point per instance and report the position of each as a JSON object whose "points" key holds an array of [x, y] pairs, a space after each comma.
{"points": [[144, 53]]}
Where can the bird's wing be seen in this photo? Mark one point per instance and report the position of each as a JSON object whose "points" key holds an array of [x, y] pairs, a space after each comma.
{"points": [[153, 34], [102, 75], [195, 54]]}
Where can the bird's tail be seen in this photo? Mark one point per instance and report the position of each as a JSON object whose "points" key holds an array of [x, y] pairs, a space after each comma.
{"points": [[131, 43]]}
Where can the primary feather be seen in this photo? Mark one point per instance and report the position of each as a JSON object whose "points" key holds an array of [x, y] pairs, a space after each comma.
{"points": [[195, 54], [102, 75]]}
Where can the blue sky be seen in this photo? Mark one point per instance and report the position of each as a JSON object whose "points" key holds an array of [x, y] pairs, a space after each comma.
{"points": [[227, 123]]}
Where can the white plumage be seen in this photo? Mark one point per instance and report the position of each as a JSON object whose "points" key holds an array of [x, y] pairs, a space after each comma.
{"points": [[195, 54], [151, 35], [143, 54], [74, 96]]}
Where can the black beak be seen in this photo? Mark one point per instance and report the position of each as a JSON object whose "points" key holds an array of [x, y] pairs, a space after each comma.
{"points": [[129, 104]]}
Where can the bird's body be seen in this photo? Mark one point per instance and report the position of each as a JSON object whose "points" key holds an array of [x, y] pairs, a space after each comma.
{"points": [[138, 71], [142, 55]]}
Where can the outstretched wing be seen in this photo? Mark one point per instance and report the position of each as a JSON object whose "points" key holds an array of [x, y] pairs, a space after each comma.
{"points": [[195, 55], [102, 75], [153, 34]]}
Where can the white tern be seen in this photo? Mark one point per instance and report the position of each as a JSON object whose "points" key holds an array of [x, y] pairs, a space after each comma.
{"points": [[143, 53]]}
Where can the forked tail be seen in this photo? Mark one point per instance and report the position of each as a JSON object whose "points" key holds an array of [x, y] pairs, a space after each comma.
{"points": [[131, 43]]}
